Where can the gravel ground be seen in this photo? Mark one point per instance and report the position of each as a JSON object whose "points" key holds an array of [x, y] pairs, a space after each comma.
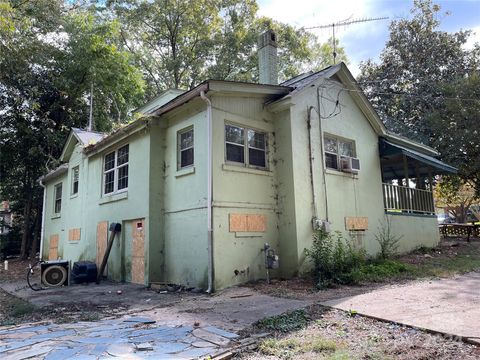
{"points": [[334, 334]]}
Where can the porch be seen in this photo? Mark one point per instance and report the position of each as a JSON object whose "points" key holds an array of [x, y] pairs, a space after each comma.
{"points": [[408, 178]]}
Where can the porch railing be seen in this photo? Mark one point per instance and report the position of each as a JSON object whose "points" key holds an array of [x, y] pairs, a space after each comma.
{"points": [[407, 200]]}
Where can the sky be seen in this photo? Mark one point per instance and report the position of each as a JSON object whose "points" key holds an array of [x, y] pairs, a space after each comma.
{"points": [[363, 41]]}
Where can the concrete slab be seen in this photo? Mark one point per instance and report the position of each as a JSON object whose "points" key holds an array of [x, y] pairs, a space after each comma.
{"points": [[449, 306]]}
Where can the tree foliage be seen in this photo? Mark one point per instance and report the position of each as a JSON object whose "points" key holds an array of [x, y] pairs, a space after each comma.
{"points": [[405, 85], [456, 195]]}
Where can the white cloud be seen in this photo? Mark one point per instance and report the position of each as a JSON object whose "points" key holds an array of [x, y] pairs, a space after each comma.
{"points": [[474, 38]]}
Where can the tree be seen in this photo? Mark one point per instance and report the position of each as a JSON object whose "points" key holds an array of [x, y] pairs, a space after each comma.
{"points": [[175, 47], [405, 85], [455, 127], [456, 196], [46, 69]]}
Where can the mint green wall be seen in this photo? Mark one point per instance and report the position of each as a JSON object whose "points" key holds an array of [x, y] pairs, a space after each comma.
{"points": [[240, 190], [185, 193], [414, 231], [89, 207]]}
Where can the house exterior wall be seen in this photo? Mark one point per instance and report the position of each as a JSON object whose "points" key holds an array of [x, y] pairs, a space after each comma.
{"points": [[238, 256], [185, 201], [89, 207]]}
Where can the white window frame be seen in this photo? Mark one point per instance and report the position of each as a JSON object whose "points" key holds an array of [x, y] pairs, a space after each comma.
{"points": [[55, 198], [337, 154], [245, 146], [72, 190], [180, 150], [115, 171]]}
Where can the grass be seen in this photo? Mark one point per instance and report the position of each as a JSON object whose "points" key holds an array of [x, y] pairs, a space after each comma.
{"points": [[14, 309], [290, 348], [294, 320]]}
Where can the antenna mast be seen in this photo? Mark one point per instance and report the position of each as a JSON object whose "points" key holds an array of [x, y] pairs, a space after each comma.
{"points": [[343, 23]]}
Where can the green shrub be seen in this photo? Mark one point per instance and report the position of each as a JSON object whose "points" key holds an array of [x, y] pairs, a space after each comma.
{"points": [[335, 259], [382, 270], [294, 320]]}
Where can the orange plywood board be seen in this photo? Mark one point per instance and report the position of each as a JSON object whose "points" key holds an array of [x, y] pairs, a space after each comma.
{"points": [[138, 251], [74, 234], [356, 223], [102, 239], [53, 250], [248, 223]]}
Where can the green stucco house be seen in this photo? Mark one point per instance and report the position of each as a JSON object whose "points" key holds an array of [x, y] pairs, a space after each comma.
{"points": [[207, 176]]}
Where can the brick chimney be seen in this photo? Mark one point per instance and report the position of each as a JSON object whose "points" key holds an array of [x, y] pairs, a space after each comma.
{"points": [[267, 58]]}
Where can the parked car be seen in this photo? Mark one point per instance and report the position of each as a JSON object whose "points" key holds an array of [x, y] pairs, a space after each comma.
{"points": [[445, 219]]}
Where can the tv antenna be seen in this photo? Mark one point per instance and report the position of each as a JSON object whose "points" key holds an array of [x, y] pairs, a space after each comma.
{"points": [[345, 22]]}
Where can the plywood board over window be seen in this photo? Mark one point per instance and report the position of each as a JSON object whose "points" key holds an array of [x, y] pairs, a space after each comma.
{"points": [[356, 223], [74, 234], [53, 250], [248, 223], [102, 234], [138, 251]]}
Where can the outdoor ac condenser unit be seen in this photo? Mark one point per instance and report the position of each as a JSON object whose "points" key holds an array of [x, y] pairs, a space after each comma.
{"points": [[55, 273], [350, 164]]}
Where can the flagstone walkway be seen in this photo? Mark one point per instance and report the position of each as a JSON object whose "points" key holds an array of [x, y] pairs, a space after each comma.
{"points": [[128, 338]]}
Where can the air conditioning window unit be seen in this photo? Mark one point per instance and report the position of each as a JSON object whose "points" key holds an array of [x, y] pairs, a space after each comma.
{"points": [[350, 164]]}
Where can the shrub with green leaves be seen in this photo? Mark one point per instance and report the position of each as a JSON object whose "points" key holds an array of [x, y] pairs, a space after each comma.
{"points": [[336, 260]]}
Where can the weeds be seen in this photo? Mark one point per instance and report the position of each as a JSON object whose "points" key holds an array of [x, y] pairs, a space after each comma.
{"points": [[335, 259], [290, 348], [389, 243], [294, 320]]}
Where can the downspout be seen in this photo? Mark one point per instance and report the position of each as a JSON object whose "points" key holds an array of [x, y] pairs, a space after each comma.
{"points": [[209, 192], [310, 155], [43, 216], [322, 153]]}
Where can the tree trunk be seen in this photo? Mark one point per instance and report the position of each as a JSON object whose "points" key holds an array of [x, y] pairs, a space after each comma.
{"points": [[36, 233], [27, 213]]}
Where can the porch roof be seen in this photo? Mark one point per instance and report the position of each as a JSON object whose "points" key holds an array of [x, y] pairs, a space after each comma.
{"points": [[418, 164]]}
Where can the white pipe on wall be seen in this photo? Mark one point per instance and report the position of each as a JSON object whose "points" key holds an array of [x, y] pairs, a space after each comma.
{"points": [[209, 191], [43, 217]]}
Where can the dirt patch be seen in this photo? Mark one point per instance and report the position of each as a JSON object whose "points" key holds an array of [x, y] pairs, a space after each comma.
{"points": [[17, 270], [336, 334]]}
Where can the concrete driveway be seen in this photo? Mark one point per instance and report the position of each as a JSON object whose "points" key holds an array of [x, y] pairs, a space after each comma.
{"points": [[449, 306]]}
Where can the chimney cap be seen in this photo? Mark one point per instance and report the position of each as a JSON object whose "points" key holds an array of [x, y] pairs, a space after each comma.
{"points": [[267, 38]]}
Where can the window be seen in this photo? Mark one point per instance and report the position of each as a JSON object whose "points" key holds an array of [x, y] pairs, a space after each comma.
{"points": [[185, 148], [245, 146], [335, 148], [75, 176], [115, 171], [57, 206]]}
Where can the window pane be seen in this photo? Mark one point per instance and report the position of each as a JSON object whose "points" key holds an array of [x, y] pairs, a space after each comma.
{"points": [[256, 157], [331, 145], [109, 161], [345, 148], [58, 206], [235, 153], [75, 180], [58, 191], [109, 182], [256, 139], [123, 177], [331, 161], [186, 157], [234, 134], [75, 187], [186, 139], [122, 155]]}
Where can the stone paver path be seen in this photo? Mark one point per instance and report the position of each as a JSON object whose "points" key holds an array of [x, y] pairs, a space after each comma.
{"points": [[450, 306], [128, 338]]}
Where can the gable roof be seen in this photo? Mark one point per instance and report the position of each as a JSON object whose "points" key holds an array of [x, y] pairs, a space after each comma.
{"points": [[81, 136]]}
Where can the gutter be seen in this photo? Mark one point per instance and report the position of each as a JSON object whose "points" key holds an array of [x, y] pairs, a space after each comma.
{"points": [[40, 181], [209, 192]]}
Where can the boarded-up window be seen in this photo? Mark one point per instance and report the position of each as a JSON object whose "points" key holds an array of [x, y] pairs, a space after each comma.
{"points": [[138, 251], [248, 223], [74, 234], [102, 234], [356, 223]]}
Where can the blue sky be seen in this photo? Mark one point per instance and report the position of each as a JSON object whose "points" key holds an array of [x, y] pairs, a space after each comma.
{"points": [[366, 40]]}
